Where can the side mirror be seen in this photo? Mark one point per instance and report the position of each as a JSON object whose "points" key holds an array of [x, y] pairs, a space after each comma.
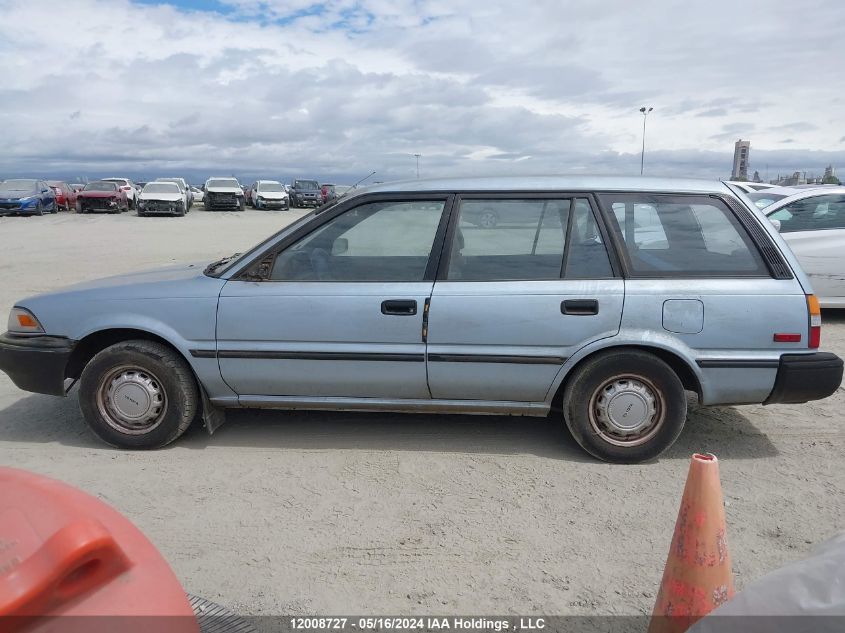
{"points": [[776, 224], [340, 246]]}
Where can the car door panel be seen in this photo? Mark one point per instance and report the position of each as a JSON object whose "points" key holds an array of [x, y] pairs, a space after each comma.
{"points": [[822, 256], [340, 309], [508, 340], [321, 339], [502, 321]]}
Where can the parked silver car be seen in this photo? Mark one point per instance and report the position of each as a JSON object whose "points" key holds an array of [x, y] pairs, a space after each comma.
{"points": [[812, 221], [606, 302]]}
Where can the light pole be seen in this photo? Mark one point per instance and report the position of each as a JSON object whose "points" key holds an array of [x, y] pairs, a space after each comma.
{"points": [[418, 165], [642, 155]]}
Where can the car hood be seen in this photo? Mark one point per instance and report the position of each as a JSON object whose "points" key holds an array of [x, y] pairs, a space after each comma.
{"points": [[17, 195], [179, 281], [170, 197], [151, 300], [236, 190]]}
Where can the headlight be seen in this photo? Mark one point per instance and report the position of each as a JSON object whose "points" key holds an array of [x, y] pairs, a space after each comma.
{"points": [[23, 321]]}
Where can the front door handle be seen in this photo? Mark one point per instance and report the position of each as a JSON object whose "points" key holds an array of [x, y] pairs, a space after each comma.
{"points": [[399, 307], [579, 307]]}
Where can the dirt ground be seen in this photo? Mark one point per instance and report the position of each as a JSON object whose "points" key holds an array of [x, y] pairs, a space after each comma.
{"points": [[289, 513]]}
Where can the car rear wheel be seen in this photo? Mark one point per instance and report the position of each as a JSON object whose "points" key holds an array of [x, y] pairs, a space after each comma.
{"points": [[138, 395], [625, 406], [488, 219]]}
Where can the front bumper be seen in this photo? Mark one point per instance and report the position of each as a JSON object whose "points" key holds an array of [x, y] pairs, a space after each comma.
{"points": [[309, 202], [805, 377], [271, 204], [36, 363]]}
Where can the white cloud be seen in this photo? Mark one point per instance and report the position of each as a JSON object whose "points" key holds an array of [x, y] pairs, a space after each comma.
{"points": [[290, 87]]}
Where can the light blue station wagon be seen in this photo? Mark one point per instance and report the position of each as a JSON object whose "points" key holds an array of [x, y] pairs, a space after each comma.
{"points": [[605, 299]]}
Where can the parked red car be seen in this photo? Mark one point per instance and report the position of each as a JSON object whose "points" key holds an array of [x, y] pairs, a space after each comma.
{"points": [[65, 195], [328, 193], [102, 195]]}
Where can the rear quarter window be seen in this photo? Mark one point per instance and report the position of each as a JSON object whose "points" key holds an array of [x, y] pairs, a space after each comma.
{"points": [[681, 236]]}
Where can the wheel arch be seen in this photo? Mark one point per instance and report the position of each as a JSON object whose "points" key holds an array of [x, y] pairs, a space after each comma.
{"points": [[683, 369], [95, 342]]}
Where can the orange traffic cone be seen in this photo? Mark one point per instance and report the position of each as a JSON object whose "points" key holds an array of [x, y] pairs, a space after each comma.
{"points": [[697, 578]]}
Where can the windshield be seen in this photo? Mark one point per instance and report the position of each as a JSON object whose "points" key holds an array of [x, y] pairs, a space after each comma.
{"points": [[100, 186], [162, 187], [174, 180], [763, 199], [18, 185], [270, 186], [307, 185], [222, 182]]}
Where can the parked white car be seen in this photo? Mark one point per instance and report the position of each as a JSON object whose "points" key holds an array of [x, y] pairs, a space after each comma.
{"points": [[224, 194], [269, 194], [128, 186], [197, 193], [763, 199], [162, 198], [812, 221], [751, 187], [184, 186]]}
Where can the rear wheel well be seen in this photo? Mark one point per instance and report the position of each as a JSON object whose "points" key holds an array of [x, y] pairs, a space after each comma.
{"points": [[682, 370], [96, 342]]}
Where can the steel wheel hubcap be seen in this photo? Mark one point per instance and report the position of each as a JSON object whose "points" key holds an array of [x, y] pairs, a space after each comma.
{"points": [[132, 400], [488, 219], [627, 410]]}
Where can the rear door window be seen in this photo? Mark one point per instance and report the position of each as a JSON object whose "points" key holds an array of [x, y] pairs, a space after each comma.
{"points": [[686, 236], [511, 239]]}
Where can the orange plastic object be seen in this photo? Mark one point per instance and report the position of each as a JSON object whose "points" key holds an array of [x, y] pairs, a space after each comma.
{"points": [[69, 562], [698, 577]]}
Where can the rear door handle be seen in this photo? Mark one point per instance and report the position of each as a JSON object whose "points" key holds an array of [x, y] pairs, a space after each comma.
{"points": [[399, 307], [579, 307]]}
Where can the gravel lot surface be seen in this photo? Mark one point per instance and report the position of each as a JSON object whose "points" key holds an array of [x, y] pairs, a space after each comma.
{"points": [[286, 513]]}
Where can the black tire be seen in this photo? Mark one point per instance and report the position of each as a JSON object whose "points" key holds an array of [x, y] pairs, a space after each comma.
{"points": [[642, 380], [242, 205], [39, 209], [141, 214], [154, 363]]}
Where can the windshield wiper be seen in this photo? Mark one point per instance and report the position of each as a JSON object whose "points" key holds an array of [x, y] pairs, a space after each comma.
{"points": [[209, 270]]}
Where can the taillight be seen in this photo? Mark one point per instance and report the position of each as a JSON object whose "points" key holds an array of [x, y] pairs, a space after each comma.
{"points": [[815, 313]]}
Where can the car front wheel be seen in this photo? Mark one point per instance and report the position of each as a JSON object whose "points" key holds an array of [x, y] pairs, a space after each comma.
{"points": [[138, 395], [625, 406]]}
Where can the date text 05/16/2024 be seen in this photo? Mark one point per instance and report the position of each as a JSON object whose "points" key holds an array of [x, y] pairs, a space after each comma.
{"points": [[431, 623]]}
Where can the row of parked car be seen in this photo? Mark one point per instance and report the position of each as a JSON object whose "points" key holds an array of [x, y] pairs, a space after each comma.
{"points": [[163, 196]]}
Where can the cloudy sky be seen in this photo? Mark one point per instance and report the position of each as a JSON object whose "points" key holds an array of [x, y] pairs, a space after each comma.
{"points": [[338, 88]]}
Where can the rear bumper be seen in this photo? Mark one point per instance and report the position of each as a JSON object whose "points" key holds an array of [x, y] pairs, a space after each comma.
{"points": [[805, 377], [36, 363]]}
